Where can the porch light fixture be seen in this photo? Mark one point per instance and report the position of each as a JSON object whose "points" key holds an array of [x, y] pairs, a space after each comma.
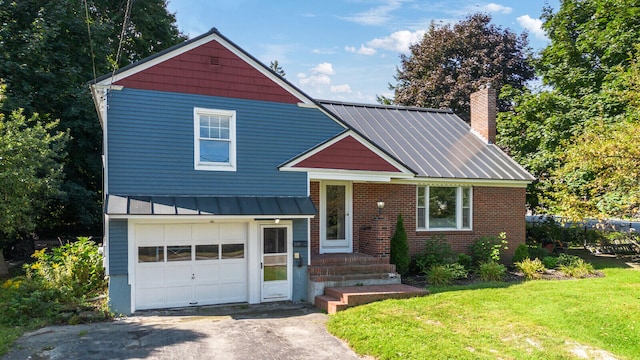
{"points": [[277, 221], [380, 206]]}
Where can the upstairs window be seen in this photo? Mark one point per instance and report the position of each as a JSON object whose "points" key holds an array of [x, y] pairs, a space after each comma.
{"points": [[444, 208], [215, 139]]}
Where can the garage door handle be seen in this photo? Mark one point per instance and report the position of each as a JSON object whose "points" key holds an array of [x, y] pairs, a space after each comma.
{"points": [[193, 276]]}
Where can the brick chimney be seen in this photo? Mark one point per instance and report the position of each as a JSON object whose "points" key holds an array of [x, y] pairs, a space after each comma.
{"points": [[483, 113]]}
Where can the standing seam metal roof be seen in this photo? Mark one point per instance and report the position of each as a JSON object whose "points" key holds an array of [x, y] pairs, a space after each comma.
{"points": [[435, 143]]}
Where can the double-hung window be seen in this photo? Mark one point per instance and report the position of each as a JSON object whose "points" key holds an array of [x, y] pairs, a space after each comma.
{"points": [[215, 139], [444, 208]]}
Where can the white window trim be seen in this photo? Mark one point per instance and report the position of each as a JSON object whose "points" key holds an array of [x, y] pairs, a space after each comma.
{"points": [[211, 166], [459, 210]]}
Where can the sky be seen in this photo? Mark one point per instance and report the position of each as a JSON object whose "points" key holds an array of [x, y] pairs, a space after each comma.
{"points": [[345, 50]]}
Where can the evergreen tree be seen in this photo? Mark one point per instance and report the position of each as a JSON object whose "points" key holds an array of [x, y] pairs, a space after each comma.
{"points": [[400, 248]]}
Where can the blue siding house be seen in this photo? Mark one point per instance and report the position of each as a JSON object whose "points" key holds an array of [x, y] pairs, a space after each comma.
{"points": [[224, 183]]}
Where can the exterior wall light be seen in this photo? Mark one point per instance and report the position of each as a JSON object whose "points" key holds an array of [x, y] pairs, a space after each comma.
{"points": [[380, 206]]}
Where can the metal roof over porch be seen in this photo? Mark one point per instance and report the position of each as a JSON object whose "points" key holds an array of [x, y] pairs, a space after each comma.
{"points": [[210, 205]]}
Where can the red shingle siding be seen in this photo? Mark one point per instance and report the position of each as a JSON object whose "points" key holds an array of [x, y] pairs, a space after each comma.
{"points": [[347, 154], [194, 73], [495, 210]]}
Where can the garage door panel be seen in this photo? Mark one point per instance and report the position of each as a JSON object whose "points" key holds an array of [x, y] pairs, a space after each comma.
{"points": [[204, 233], [233, 292], [150, 298], [179, 295], [233, 272], [177, 275], [233, 233], [148, 277], [206, 273], [207, 294], [146, 234], [178, 233]]}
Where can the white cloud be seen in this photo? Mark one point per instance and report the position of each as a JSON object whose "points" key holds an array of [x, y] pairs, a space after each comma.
{"points": [[497, 8], [344, 88], [362, 51], [398, 41], [313, 79], [532, 25], [317, 81], [323, 51], [324, 68], [319, 75], [376, 16]]}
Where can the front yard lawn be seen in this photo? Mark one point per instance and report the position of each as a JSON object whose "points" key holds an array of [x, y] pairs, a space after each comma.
{"points": [[532, 320]]}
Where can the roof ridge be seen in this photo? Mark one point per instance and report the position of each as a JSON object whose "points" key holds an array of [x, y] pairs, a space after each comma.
{"points": [[383, 106]]}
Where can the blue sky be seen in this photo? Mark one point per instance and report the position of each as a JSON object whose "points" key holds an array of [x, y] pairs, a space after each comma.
{"points": [[346, 50]]}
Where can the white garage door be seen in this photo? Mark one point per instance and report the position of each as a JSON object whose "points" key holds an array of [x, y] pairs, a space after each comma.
{"points": [[190, 264]]}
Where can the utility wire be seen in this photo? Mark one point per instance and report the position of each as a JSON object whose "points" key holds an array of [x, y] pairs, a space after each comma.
{"points": [[127, 12], [93, 55]]}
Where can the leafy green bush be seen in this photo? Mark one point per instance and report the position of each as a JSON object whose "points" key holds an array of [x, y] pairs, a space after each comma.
{"points": [[567, 260], [74, 269], [492, 271], [488, 248], [439, 275], [443, 275], [577, 268], [465, 260], [457, 270], [521, 253], [400, 248], [537, 252], [532, 269], [55, 286], [25, 300], [550, 262], [437, 251]]}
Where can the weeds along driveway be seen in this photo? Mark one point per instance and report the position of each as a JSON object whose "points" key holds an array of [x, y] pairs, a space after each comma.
{"points": [[271, 331]]}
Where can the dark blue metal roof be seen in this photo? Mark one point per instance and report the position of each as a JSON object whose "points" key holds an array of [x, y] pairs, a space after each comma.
{"points": [[211, 205]]}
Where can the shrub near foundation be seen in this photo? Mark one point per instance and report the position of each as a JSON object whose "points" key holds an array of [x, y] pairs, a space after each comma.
{"points": [[532, 269], [56, 287], [492, 271]]}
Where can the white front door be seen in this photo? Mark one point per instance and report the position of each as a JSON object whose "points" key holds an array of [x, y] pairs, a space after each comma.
{"points": [[335, 217], [276, 271]]}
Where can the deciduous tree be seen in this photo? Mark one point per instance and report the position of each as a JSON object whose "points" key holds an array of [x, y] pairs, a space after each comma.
{"points": [[452, 61], [30, 172], [46, 59]]}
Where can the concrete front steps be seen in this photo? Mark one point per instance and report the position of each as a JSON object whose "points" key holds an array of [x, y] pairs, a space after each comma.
{"points": [[333, 270], [339, 298]]}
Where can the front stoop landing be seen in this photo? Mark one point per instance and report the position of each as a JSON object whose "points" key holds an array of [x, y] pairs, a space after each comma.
{"points": [[339, 298]]}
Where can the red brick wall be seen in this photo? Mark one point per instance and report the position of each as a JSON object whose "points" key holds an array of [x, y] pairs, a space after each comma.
{"points": [[314, 192], [375, 240], [495, 210]]}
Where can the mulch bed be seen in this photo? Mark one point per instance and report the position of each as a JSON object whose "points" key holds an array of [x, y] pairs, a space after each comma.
{"points": [[512, 276]]}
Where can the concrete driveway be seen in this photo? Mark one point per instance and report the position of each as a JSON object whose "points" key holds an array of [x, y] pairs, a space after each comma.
{"points": [[265, 331]]}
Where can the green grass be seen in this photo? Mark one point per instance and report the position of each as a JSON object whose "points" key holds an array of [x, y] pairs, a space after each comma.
{"points": [[532, 320], [8, 334]]}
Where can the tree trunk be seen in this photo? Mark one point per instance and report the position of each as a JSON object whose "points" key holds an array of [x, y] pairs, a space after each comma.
{"points": [[4, 269]]}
